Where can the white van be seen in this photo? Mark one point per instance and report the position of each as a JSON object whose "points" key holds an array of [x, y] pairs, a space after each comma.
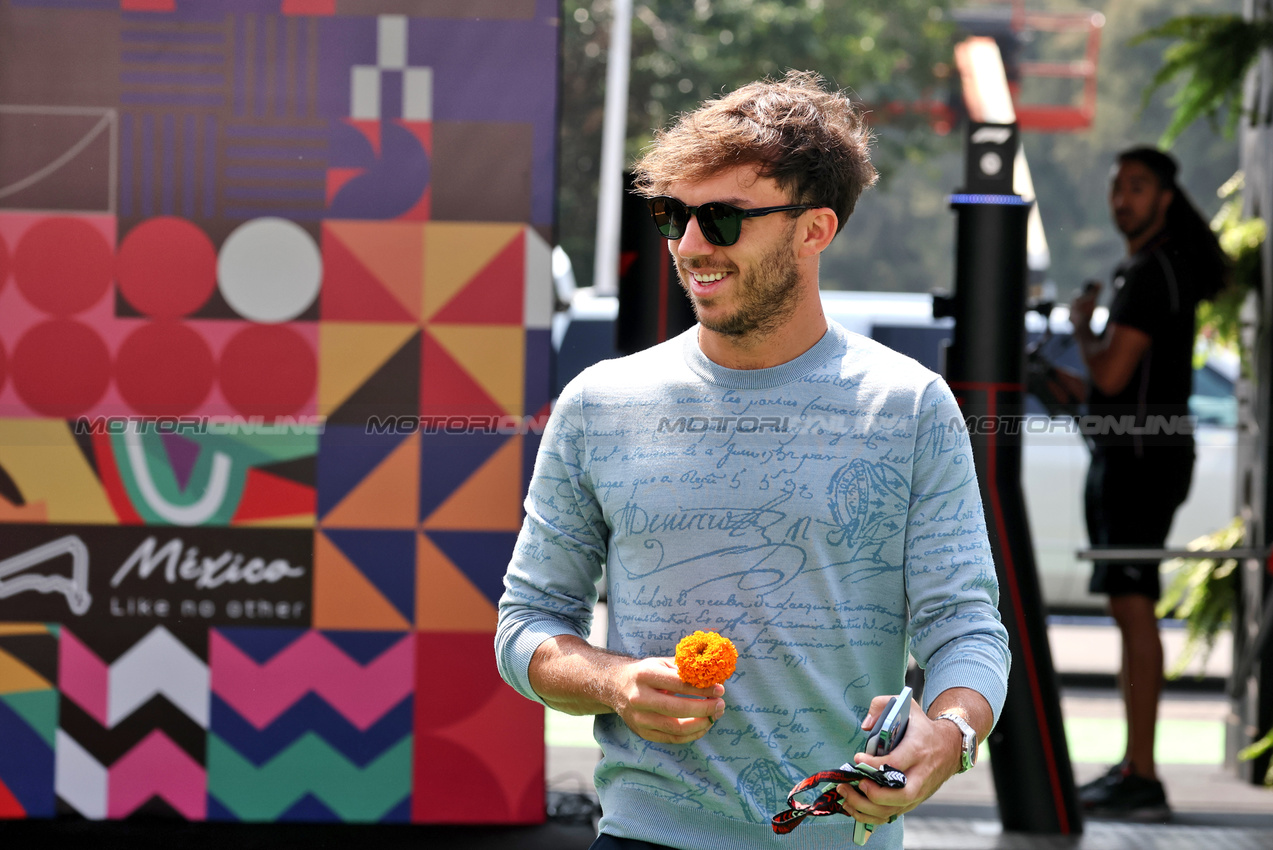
{"points": [[1054, 456]]}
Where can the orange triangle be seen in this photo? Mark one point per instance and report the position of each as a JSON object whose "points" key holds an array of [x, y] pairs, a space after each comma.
{"points": [[392, 251], [388, 497], [495, 295], [344, 598], [490, 500], [446, 601], [454, 252], [17, 677]]}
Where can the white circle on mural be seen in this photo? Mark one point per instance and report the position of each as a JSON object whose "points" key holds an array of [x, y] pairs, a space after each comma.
{"points": [[269, 270]]}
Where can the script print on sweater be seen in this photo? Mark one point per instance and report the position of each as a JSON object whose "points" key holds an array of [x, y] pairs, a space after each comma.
{"points": [[823, 514]]}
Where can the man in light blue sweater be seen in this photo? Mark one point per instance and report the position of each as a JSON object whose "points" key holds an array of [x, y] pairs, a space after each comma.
{"points": [[804, 491]]}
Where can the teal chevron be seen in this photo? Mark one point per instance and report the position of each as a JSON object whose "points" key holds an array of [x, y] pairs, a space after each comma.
{"points": [[310, 766], [38, 709]]}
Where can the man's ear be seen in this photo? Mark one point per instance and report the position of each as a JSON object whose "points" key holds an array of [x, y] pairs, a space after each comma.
{"points": [[819, 228]]}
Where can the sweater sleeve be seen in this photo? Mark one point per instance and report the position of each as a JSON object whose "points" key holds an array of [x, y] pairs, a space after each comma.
{"points": [[952, 590], [550, 587]]}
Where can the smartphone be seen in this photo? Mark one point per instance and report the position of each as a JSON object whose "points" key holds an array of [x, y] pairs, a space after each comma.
{"points": [[891, 725], [887, 731]]}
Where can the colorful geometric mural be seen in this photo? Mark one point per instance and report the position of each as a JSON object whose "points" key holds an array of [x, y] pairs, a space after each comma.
{"points": [[275, 299]]}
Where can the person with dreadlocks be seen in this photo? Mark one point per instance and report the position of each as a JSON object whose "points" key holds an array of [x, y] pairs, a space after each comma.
{"points": [[1140, 373]]}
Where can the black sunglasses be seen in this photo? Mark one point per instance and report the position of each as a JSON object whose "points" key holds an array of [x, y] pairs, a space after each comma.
{"points": [[720, 222]]}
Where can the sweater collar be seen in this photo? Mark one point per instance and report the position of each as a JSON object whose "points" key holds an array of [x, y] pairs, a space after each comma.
{"points": [[834, 342]]}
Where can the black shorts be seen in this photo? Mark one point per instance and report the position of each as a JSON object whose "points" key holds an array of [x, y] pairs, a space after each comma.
{"points": [[1130, 503]]}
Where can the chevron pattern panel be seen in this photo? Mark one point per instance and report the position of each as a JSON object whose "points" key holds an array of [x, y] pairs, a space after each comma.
{"points": [[132, 728], [275, 306], [310, 725]]}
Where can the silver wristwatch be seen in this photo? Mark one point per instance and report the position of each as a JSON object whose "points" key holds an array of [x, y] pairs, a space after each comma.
{"points": [[968, 750]]}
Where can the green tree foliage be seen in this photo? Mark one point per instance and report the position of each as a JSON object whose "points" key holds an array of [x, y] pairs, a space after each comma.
{"points": [[685, 51], [901, 237], [1213, 53]]}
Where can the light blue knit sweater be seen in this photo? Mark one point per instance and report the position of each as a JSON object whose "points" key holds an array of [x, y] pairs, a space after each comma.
{"points": [[823, 514]]}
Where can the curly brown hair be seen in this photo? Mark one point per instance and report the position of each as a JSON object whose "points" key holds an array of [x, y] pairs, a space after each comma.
{"points": [[813, 142]]}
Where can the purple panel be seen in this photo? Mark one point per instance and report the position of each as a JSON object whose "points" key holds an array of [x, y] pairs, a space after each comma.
{"points": [[147, 164], [167, 155], [390, 94], [189, 144], [260, 77], [240, 67], [126, 131], [515, 83], [342, 44], [209, 166]]}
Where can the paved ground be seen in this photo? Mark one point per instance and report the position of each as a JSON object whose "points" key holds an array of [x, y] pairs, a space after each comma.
{"points": [[1213, 810]]}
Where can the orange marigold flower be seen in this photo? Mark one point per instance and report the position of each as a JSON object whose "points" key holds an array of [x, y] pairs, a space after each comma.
{"points": [[704, 659]]}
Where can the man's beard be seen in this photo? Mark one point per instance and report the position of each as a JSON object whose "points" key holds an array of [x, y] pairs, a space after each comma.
{"points": [[764, 300]]}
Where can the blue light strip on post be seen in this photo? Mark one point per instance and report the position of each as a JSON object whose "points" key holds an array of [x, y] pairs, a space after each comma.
{"points": [[1000, 200]]}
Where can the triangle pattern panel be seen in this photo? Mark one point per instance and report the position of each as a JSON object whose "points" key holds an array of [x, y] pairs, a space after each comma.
{"points": [[350, 353], [347, 454], [267, 497], [389, 495], [490, 499], [386, 559], [492, 356], [447, 460], [454, 253], [391, 391], [493, 296], [351, 292], [344, 598], [447, 388], [446, 601], [481, 555], [391, 251]]}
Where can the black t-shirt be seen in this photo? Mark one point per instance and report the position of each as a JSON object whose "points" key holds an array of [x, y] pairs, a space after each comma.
{"points": [[1155, 292]]}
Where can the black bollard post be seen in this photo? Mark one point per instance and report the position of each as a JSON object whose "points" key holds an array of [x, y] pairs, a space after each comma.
{"points": [[985, 366]]}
